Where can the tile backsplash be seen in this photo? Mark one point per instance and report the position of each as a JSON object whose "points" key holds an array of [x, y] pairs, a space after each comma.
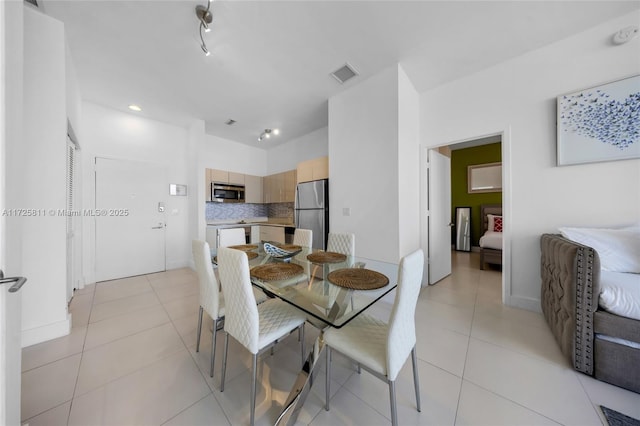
{"points": [[222, 211]]}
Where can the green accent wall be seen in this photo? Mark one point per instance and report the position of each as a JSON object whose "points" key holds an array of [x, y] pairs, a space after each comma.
{"points": [[460, 159]]}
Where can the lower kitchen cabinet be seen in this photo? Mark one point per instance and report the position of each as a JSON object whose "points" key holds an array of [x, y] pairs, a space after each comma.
{"points": [[272, 233]]}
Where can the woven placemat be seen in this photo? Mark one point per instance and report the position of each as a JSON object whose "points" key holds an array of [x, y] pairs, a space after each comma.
{"points": [[250, 255], [244, 247], [276, 271], [358, 279], [289, 247], [326, 257]]}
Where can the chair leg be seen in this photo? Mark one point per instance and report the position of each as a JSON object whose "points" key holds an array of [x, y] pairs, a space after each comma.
{"points": [[327, 377], [301, 337], [214, 337], [224, 360], [416, 383], [254, 370], [392, 399], [199, 330]]}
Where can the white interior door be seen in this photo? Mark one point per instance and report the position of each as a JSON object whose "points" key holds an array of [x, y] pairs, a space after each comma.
{"points": [[439, 216], [10, 303], [130, 218]]}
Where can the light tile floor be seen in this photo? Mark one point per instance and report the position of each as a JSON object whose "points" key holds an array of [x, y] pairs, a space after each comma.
{"points": [[130, 360]]}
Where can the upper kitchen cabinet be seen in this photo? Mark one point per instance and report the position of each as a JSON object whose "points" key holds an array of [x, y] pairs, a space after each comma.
{"points": [[220, 176], [223, 176], [280, 187], [253, 189], [315, 169], [207, 184]]}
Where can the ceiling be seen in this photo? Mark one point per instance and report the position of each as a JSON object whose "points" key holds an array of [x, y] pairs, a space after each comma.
{"points": [[271, 60]]}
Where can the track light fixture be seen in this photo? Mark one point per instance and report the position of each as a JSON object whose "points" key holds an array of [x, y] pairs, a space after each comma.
{"points": [[205, 17], [267, 134]]}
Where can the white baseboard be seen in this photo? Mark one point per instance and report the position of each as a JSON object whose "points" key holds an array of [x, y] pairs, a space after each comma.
{"points": [[528, 303], [47, 332], [177, 264]]}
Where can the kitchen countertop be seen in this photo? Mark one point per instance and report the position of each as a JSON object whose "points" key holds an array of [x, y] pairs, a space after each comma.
{"points": [[234, 223]]}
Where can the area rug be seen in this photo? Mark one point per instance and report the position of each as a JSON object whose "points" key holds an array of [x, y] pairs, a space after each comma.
{"points": [[615, 418]]}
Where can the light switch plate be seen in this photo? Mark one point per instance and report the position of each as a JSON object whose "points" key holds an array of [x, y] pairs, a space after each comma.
{"points": [[346, 211]]}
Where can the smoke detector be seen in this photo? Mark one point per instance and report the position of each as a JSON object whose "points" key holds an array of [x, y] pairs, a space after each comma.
{"points": [[625, 35], [344, 73]]}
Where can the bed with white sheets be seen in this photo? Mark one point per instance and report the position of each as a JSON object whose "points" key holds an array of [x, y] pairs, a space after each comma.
{"points": [[491, 240]]}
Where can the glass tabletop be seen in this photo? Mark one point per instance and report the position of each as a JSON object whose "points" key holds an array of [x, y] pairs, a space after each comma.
{"points": [[311, 291]]}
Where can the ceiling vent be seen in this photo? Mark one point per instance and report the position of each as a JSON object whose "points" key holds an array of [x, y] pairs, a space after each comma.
{"points": [[344, 73]]}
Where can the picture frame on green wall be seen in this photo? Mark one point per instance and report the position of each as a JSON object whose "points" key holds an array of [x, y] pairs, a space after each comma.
{"points": [[484, 178]]}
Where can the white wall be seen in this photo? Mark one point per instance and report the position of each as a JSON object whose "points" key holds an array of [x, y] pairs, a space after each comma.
{"points": [[519, 97], [363, 165], [225, 154], [408, 165], [287, 156], [43, 179], [74, 97], [114, 134]]}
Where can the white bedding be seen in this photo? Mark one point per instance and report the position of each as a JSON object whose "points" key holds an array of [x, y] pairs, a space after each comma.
{"points": [[491, 240], [620, 293]]}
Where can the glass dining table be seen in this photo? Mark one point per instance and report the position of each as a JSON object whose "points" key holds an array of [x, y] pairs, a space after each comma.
{"points": [[331, 288]]}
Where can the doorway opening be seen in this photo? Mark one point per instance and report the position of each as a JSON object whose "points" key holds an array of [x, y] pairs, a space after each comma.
{"points": [[489, 149]]}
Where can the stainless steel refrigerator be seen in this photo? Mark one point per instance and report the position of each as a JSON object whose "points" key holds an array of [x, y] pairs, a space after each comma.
{"points": [[312, 210]]}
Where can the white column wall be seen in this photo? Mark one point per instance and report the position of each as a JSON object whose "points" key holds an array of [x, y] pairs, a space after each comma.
{"points": [[363, 165], [519, 97], [43, 179], [408, 165]]}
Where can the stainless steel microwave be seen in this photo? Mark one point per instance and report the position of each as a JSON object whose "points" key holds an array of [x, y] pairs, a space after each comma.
{"points": [[227, 193]]}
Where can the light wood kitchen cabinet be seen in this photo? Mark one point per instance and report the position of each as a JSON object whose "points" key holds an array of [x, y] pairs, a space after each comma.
{"points": [[315, 169], [290, 186], [280, 187], [207, 184], [272, 233], [253, 192], [236, 178], [221, 176]]}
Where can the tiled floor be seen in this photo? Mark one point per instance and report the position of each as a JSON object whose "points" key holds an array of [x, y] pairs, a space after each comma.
{"points": [[131, 360]]}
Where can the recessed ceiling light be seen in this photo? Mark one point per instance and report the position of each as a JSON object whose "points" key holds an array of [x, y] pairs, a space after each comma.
{"points": [[276, 131], [134, 107]]}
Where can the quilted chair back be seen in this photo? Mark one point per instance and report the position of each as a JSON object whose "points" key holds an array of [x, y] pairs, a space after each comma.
{"points": [[241, 313], [303, 237], [209, 287], [342, 243], [402, 326], [231, 237]]}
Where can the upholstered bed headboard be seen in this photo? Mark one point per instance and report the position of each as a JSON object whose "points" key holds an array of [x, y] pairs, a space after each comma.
{"points": [[486, 209]]}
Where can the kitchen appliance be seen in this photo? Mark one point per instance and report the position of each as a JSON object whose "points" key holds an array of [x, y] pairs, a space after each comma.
{"points": [[312, 210], [227, 193]]}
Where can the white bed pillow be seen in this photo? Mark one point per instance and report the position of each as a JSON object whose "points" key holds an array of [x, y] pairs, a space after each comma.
{"points": [[491, 223], [620, 294], [618, 249]]}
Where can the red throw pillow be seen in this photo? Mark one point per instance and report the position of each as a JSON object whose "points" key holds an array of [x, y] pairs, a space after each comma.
{"points": [[497, 224]]}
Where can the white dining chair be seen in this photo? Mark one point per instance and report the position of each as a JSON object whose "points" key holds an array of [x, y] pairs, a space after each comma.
{"points": [[231, 237], [303, 237], [256, 327], [382, 348], [342, 243], [211, 300]]}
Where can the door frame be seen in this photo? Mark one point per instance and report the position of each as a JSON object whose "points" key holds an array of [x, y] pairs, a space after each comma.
{"points": [[505, 136]]}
